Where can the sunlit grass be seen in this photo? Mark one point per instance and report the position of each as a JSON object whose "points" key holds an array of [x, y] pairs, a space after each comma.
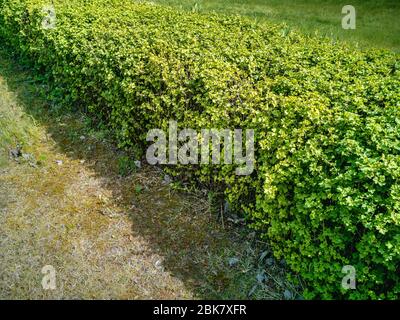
{"points": [[16, 127], [378, 22]]}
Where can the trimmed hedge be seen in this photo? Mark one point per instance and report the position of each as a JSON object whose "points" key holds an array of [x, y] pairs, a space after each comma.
{"points": [[326, 190]]}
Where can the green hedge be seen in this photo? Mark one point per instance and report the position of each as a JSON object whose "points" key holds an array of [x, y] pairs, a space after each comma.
{"points": [[326, 190]]}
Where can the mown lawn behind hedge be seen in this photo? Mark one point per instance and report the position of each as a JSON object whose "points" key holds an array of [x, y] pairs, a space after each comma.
{"points": [[326, 189], [377, 24]]}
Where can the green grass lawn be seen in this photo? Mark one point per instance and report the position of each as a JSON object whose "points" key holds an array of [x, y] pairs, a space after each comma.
{"points": [[378, 21]]}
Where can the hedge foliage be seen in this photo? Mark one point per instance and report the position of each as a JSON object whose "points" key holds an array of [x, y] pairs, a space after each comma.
{"points": [[326, 190]]}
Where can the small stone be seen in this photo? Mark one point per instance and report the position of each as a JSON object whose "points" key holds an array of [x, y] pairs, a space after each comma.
{"points": [[251, 235], [158, 265], [270, 261], [33, 164], [288, 295], [261, 277], [59, 162], [27, 156], [16, 153], [233, 261], [167, 179]]}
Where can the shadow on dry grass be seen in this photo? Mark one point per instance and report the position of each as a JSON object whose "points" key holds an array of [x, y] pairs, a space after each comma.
{"points": [[161, 243]]}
